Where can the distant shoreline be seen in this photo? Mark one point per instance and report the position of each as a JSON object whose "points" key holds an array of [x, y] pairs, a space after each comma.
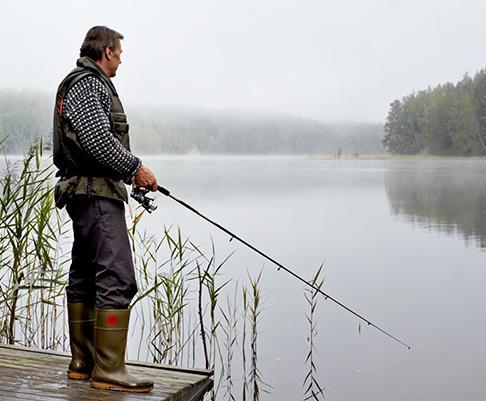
{"points": [[395, 157]]}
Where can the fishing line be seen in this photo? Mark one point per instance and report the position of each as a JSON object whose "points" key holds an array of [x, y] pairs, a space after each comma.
{"points": [[148, 205]]}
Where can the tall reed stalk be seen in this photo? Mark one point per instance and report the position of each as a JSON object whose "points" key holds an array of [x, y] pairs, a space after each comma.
{"points": [[312, 388], [230, 332], [256, 383], [245, 385]]}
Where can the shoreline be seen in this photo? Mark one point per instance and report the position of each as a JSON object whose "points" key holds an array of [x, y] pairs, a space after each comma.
{"points": [[395, 157]]}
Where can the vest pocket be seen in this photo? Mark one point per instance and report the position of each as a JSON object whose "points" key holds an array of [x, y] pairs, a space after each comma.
{"points": [[64, 190], [121, 128], [119, 121]]}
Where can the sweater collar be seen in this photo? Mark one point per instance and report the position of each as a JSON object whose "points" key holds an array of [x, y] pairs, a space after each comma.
{"points": [[88, 62]]}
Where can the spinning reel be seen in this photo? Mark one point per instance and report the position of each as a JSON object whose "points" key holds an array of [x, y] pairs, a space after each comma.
{"points": [[140, 195]]}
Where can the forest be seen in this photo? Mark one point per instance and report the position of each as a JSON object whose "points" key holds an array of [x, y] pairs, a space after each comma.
{"points": [[26, 115], [448, 120]]}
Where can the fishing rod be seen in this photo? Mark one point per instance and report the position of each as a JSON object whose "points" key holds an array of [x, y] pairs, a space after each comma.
{"points": [[148, 203]]}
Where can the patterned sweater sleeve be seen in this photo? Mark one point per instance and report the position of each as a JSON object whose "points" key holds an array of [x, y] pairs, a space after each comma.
{"points": [[87, 107]]}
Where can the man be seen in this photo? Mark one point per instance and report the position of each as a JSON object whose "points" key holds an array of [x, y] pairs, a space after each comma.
{"points": [[92, 153]]}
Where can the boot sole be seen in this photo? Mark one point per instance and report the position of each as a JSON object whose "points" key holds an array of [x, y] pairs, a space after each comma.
{"points": [[117, 387], [78, 376]]}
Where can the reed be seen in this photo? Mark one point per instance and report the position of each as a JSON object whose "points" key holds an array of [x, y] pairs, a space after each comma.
{"points": [[230, 335], [30, 231], [245, 386], [256, 382], [312, 389]]}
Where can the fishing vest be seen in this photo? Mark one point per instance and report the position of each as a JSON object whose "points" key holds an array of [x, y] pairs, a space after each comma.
{"points": [[80, 174]]}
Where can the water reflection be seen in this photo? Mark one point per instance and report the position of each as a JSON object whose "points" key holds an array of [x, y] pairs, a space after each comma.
{"points": [[446, 196]]}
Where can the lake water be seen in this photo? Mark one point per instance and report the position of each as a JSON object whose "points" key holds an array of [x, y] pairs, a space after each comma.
{"points": [[402, 242]]}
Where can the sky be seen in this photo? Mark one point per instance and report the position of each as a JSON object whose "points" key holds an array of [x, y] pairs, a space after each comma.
{"points": [[326, 60]]}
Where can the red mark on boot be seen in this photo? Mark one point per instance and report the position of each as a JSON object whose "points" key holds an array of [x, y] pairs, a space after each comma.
{"points": [[112, 320]]}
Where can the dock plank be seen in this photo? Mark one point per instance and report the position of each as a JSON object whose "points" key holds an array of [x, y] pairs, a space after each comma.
{"points": [[34, 375]]}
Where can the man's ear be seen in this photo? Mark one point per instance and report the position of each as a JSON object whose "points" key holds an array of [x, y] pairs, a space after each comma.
{"points": [[108, 53]]}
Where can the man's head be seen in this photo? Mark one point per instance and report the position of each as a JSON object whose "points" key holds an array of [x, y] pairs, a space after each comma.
{"points": [[103, 45]]}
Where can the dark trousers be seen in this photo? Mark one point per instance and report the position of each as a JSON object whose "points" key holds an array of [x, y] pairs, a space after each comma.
{"points": [[102, 271]]}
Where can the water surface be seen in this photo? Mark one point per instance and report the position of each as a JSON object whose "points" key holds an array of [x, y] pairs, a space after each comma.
{"points": [[402, 242]]}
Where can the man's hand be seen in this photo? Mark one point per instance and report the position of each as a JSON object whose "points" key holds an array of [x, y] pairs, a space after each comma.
{"points": [[144, 178]]}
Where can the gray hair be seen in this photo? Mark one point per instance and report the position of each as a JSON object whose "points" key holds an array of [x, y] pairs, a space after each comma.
{"points": [[97, 40]]}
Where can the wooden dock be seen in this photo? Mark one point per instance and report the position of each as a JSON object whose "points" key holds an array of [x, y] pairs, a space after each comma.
{"points": [[31, 374]]}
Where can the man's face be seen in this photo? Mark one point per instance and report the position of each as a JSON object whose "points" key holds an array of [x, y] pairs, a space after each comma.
{"points": [[114, 59]]}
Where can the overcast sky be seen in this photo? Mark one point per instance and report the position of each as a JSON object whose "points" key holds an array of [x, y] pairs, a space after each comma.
{"points": [[328, 60]]}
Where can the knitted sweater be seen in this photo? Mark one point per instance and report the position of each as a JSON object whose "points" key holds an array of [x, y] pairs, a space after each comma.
{"points": [[87, 106]]}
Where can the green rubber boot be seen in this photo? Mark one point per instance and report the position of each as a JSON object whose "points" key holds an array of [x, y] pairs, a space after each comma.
{"points": [[81, 338], [110, 372]]}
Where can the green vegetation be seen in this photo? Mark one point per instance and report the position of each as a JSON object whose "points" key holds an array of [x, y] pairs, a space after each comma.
{"points": [[226, 132], [31, 277], [447, 120], [25, 115]]}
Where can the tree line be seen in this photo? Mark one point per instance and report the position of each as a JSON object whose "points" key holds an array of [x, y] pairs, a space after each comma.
{"points": [[236, 132], [446, 120], [27, 115]]}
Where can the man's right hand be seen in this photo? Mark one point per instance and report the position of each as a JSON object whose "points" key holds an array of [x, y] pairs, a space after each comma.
{"points": [[144, 178]]}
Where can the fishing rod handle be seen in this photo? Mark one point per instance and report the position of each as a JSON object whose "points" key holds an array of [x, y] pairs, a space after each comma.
{"points": [[163, 190]]}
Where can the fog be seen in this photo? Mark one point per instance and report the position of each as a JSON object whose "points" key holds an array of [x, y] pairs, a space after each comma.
{"points": [[324, 60]]}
